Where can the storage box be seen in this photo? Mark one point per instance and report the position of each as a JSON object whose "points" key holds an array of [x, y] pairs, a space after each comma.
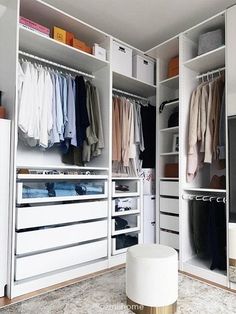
{"points": [[210, 41], [171, 170], [121, 59], [78, 44], [143, 69], [149, 182], [59, 34], [34, 26], [99, 52], [87, 49], [173, 67], [69, 38]]}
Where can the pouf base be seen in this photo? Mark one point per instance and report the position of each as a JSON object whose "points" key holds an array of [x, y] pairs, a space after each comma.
{"points": [[143, 309]]}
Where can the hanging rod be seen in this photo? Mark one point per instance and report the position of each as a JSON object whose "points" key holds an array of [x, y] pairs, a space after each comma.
{"points": [[211, 72], [205, 198], [26, 54], [129, 94]]}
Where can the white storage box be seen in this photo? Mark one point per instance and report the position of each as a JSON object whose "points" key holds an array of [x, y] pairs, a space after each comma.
{"points": [[99, 52], [121, 59], [143, 69]]}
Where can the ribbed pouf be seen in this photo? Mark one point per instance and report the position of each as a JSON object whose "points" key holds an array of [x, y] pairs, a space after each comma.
{"points": [[152, 279]]}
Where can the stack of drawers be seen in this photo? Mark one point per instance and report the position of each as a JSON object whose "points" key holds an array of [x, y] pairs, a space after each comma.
{"points": [[169, 213]]}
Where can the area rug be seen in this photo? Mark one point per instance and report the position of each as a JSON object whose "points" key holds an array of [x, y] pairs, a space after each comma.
{"points": [[106, 294]]}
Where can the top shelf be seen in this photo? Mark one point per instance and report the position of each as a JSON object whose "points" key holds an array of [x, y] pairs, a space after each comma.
{"points": [[55, 51], [49, 16], [208, 61], [133, 85]]}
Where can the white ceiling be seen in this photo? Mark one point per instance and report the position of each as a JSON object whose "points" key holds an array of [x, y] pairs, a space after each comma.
{"points": [[141, 23]]}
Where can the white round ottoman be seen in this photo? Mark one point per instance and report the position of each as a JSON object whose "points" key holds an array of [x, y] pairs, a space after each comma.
{"points": [[152, 279]]}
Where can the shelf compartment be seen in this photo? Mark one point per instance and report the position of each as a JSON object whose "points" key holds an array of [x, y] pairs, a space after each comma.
{"points": [[50, 238], [208, 61], [38, 264], [133, 221], [44, 192], [117, 250], [172, 82], [200, 268], [38, 216], [133, 85], [133, 203], [55, 51], [170, 130]]}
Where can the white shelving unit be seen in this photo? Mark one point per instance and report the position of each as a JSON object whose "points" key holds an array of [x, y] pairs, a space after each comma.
{"points": [[168, 89]]}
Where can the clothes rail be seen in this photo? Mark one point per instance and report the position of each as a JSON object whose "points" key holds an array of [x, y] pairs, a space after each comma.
{"points": [[26, 54], [129, 94], [211, 72], [204, 198]]}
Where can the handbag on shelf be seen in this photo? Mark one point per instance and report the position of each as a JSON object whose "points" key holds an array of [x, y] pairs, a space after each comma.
{"points": [[174, 118]]}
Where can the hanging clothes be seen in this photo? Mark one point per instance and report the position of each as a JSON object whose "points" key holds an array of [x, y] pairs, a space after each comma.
{"points": [[127, 136], [56, 109], [148, 154], [204, 125]]}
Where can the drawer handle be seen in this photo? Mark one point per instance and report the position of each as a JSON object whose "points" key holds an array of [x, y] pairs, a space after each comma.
{"points": [[153, 223], [153, 198], [122, 49], [145, 62]]}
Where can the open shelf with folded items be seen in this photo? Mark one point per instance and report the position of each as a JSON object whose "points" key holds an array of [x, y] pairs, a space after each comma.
{"points": [[127, 207]]}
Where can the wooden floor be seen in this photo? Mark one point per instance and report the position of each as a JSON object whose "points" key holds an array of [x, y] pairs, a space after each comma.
{"points": [[5, 301]]}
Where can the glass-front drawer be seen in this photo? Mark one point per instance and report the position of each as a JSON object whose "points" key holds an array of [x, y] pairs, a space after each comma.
{"points": [[125, 206], [125, 224], [52, 190]]}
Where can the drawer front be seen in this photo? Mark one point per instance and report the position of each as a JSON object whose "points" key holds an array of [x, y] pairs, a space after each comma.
{"points": [[169, 188], [37, 216], [32, 192], [133, 223], [169, 205], [125, 205], [38, 264], [118, 248], [133, 188], [44, 239], [169, 239], [169, 222]]}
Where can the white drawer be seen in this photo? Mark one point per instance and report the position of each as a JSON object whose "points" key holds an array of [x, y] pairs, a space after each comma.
{"points": [[133, 222], [37, 216], [44, 239], [169, 239], [126, 206], [169, 222], [38, 264], [36, 191], [169, 205], [133, 188], [169, 188], [120, 250]]}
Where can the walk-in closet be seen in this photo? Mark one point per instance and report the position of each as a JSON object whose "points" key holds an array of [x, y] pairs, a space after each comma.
{"points": [[105, 146]]}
